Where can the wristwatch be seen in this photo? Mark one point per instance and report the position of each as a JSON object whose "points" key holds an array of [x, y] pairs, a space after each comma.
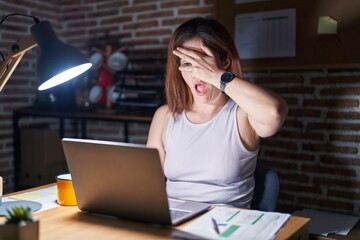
{"points": [[226, 77]]}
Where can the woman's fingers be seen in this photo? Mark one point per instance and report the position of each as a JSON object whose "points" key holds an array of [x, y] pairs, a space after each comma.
{"points": [[188, 52], [206, 49]]}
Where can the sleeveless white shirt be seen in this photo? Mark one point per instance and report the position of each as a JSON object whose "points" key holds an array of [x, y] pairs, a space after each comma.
{"points": [[207, 162]]}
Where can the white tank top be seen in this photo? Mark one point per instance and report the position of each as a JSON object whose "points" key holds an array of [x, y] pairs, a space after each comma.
{"points": [[207, 162]]}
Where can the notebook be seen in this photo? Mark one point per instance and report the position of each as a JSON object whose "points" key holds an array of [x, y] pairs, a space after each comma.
{"points": [[124, 180]]}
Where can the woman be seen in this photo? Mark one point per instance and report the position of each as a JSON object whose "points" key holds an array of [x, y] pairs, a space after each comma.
{"points": [[208, 133]]}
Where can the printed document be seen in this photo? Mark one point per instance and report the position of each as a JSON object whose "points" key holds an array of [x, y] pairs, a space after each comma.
{"points": [[234, 223]]}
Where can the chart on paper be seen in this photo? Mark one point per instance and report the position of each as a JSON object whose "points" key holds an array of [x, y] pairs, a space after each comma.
{"points": [[233, 223]]}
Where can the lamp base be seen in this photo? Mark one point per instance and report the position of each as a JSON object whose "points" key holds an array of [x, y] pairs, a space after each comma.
{"points": [[34, 206]]}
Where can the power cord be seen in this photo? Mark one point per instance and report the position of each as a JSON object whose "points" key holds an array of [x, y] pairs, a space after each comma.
{"points": [[36, 20]]}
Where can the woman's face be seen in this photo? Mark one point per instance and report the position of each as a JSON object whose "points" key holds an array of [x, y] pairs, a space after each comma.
{"points": [[201, 91]]}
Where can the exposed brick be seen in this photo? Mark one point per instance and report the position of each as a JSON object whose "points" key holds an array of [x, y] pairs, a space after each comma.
{"points": [[278, 165], [276, 143], [295, 90], [340, 91], [138, 25], [301, 135], [153, 33], [139, 8], [328, 147], [328, 170], [82, 24], [197, 10], [286, 196], [291, 100], [174, 21], [333, 126], [292, 156], [176, 4], [156, 15], [293, 124], [300, 189], [335, 80], [279, 80], [121, 19], [304, 112], [111, 4], [11, 8], [73, 10], [338, 182], [345, 138], [297, 178], [343, 161], [77, 2], [148, 41], [344, 194], [102, 30], [343, 115], [331, 103], [13, 28], [326, 203]]}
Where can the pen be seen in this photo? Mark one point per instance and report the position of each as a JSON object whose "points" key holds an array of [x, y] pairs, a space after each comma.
{"points": [[215, 225]]}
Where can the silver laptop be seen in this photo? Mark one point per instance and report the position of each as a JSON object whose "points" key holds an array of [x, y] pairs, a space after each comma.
{"points": [[124, 180]]}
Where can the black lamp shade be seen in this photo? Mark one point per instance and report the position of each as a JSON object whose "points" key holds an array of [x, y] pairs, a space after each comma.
{"points": [[57, 62]]}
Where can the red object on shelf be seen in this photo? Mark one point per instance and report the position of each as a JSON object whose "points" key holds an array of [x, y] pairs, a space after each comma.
{"points": [[105, 81]]}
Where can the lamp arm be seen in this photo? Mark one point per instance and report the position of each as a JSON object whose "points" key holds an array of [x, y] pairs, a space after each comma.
{"points": [[16, 52]]}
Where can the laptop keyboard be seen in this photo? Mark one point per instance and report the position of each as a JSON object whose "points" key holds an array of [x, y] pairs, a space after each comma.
{"points": [[175, 214]]}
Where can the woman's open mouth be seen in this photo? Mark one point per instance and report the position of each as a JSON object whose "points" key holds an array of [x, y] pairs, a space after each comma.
{"points": [[200, 88]]}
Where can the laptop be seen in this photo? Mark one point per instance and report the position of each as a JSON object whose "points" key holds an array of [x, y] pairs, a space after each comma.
{"points": [[124, 180]]}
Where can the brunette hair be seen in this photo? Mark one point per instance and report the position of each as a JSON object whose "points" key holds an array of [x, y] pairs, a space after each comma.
{"points": [[216, 38]]}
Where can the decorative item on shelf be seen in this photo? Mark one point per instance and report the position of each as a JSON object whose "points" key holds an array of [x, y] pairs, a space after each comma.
{"points": [[117, 61], [19, 225], [106, 63]]}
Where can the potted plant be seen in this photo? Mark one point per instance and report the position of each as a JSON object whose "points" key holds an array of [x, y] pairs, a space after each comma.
{"points": [[19, 225]]}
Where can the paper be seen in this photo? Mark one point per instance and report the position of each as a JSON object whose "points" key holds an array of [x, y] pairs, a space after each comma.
{"points": [[234, 223], [324, 223], [268, 34], [327, 25], [47, 197]]}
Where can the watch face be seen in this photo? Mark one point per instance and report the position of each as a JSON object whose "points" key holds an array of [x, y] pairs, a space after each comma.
{"points": [[227, 77]]}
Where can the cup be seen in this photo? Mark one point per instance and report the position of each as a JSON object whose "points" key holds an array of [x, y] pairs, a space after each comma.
{"points": [[65, 190]]}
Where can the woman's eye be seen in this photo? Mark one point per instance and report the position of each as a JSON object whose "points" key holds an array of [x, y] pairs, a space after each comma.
{"points": [[185, 64]]}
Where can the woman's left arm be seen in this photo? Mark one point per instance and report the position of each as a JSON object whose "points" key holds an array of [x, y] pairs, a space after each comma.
{"points": [[266, 110]]}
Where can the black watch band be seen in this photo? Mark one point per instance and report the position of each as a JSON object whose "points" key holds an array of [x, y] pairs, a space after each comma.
{"points": [[226, 77]]}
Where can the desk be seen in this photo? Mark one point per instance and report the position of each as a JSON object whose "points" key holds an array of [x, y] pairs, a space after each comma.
{"points": [[83, 117], [71, 223]]}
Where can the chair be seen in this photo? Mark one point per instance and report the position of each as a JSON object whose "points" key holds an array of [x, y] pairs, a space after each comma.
{"points": [[266, 189]]}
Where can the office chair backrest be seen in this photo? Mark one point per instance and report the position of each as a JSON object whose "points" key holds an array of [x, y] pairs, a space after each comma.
{"points": [[266, 189]]}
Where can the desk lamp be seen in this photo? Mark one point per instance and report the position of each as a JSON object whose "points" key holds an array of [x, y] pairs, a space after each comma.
{"points": [[57, 63]]}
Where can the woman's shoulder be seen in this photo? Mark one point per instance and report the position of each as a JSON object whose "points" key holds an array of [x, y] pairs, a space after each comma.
{"points": [[162, 113], [163, 110]]}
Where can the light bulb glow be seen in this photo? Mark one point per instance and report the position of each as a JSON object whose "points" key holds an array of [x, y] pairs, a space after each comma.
{"points": [[64, 76]]}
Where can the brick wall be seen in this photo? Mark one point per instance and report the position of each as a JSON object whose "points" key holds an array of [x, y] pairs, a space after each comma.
{"points": [[315, 153], [21, 88]]}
